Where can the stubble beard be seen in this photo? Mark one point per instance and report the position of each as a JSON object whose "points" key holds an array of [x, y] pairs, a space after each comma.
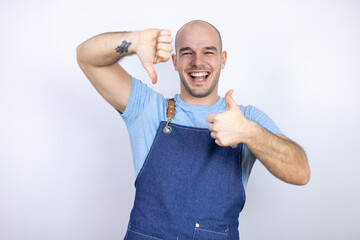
{"points": [[200, 95]]}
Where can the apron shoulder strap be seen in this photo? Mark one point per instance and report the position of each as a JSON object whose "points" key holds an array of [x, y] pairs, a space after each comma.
{"points": [[171, 109]]}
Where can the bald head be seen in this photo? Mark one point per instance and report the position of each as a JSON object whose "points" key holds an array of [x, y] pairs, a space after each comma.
{"points": [[194, 27]]}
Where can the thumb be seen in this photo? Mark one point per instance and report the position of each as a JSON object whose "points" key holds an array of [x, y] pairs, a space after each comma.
{"points": [[149, 67], [230, 103]]}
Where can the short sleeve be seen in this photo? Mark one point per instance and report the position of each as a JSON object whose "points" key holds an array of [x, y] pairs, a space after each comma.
{"points": [[140, 96], [256, 115]]}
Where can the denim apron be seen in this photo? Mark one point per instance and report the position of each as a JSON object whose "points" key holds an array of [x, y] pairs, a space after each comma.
{"points": [[188, 188]]}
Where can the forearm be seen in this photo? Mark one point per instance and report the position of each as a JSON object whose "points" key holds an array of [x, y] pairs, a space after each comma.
{"points": [[107, 48], [281, 156], [98, 57]]}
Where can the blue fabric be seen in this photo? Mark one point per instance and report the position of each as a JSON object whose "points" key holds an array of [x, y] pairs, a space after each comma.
{"points": [[188, 188], [146, 108]]}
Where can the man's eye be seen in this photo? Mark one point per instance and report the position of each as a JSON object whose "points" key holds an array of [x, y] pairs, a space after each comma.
{"points": [[209, 53], [186, 53]]}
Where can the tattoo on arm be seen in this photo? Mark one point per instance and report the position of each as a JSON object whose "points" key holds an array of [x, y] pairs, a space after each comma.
{"points": [[123, 48]]}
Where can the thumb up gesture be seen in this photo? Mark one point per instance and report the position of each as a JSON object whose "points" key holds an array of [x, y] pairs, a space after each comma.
{"points": [[154, 46], [229, 127]]}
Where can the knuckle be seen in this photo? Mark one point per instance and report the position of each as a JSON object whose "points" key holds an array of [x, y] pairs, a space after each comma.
{"points": [[219, 142], [217, 117], [213, 135], [215, 128]]}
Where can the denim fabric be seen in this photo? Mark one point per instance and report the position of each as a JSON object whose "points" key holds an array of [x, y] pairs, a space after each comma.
{"points": [[146, 108], [188, 188]]}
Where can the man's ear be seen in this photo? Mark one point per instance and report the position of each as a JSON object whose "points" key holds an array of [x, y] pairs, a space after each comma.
{"points": [[223, 59], [173, 57]]}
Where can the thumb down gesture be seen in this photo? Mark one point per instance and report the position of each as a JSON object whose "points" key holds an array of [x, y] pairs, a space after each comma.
{"points": [[229, 127], [154, 46]]}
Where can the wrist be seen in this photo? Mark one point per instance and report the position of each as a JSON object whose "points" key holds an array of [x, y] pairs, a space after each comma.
{"points": [[251, 131], [127, 43], [134, 39]]}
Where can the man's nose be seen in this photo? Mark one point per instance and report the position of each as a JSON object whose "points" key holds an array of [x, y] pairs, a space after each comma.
{"points": [[198, 60]]}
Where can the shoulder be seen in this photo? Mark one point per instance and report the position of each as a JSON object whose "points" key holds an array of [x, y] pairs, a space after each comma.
{"points": [[142, 97], [251, 112], [255, 114]]}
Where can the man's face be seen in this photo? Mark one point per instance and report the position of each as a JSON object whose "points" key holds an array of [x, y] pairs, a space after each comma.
{"points": [[199, 61]]}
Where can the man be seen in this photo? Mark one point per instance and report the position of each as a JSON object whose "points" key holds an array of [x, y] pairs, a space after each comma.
{"points": [[192, 154]]}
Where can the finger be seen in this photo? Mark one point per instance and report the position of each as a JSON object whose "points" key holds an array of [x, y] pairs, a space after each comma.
{"points": [[162, 56], [218, 142], [211, 127], [210, 118], [165, 47], [164, 32], [164, 39], [230, 103], [151, 71], [156, 60], [213, 135]]}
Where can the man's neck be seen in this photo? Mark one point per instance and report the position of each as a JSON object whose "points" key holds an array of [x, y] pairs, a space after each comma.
{"points": [[209, 100]]}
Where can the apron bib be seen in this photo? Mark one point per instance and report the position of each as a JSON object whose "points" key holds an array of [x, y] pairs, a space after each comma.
{"points": [[188, 188]]}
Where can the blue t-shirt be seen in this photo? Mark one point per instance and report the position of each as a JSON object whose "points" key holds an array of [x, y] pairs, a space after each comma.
{"points": [[147, 108]]}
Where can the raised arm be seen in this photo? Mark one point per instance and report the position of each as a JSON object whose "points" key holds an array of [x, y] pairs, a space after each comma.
{"points": [[98, 58], [281, 156]]}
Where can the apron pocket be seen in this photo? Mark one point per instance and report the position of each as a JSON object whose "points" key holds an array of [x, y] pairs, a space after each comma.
{"points": [[203, 234], [135, 234]]}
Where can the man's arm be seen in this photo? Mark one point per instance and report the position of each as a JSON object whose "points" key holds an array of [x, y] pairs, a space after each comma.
{"points": [[281, 156], [98, 58]]}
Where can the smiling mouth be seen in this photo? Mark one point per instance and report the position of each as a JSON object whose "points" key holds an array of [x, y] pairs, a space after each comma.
{"points": [[199, 76]]}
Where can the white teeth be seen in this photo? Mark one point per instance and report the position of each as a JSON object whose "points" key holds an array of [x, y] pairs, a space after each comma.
{"points": [[201, 74]]}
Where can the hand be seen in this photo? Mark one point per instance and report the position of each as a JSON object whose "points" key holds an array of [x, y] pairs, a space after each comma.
{"points": [[229, 127], [154, 46]]}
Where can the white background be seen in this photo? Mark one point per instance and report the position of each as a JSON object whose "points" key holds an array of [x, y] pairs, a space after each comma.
{"points": [[65, 160]]}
